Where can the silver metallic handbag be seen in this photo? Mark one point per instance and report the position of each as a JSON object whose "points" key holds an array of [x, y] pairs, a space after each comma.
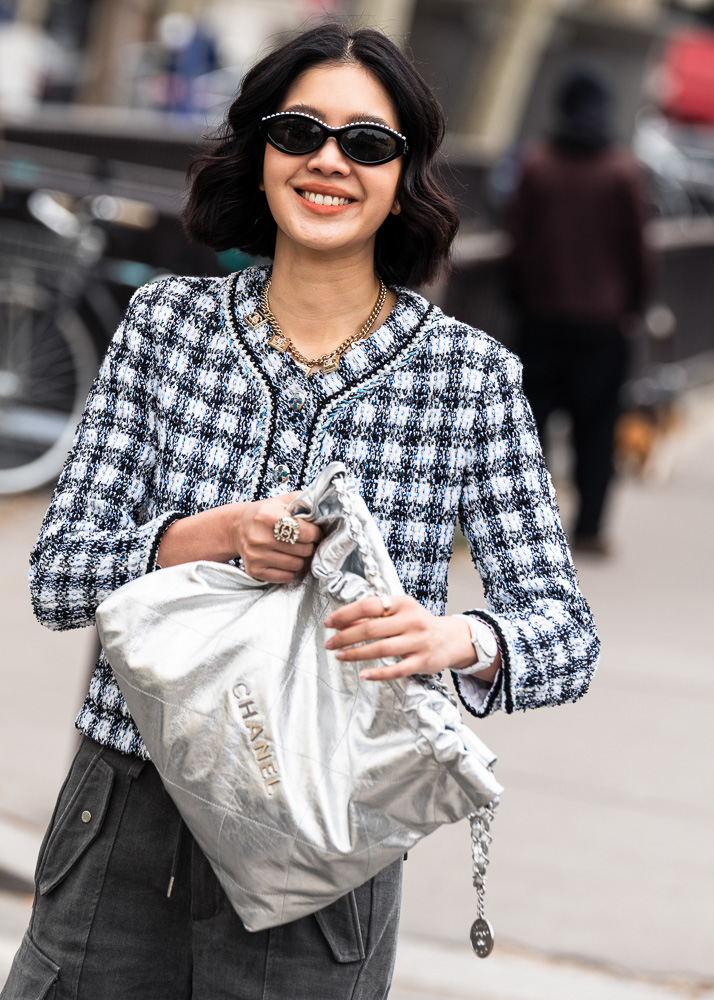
{"points": [[298, 780]]}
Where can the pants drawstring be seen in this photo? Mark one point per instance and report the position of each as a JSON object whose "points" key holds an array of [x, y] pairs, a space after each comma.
{"points": [[176, 857]]}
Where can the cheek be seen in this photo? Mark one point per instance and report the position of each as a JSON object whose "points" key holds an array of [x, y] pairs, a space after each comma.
{"points": [[389, 189], [273, 161], [393, 180]]}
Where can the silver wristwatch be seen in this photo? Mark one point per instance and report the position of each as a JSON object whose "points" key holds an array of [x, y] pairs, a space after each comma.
{"points": [[484, 642]]}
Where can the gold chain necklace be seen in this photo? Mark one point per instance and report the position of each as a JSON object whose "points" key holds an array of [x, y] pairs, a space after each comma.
{"points": [[326, 363]]}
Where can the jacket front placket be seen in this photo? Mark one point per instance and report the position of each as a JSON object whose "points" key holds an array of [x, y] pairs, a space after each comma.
{"points": [[299, 409]]}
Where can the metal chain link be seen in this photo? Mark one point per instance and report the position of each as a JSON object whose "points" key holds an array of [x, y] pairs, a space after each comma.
{"points": [[480, 839], [327, 362], [480, 820], [354, 524]]}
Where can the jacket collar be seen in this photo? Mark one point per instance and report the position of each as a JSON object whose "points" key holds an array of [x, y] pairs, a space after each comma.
{"points": [[247, 324]]}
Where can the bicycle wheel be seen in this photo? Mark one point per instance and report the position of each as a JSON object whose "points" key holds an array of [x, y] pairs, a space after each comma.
{"points": [[47, 364]]}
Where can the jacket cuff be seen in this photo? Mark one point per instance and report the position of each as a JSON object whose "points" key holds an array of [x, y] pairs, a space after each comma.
{"points": [[162, 524], [480, 697]]}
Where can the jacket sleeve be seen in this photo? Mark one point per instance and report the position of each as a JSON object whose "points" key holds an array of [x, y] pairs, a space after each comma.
{"points": [[96, 535], [549, 646]]}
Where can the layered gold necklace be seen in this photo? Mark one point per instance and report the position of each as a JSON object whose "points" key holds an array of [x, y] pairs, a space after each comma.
{"points": [[326, 363]]}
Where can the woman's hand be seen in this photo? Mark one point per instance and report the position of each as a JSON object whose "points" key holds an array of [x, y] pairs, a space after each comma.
{"points": [[426, 643], [264, 557], [242, 529]]}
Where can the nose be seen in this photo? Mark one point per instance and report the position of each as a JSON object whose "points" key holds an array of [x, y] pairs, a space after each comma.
{"points": [[329, 159]]}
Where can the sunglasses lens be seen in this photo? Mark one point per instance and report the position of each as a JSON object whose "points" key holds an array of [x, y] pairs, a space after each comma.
{"points": [[295, 135], [369, 145]]}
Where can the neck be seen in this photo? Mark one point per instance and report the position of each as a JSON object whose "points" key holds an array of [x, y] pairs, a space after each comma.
{"points": [[321, 302]]}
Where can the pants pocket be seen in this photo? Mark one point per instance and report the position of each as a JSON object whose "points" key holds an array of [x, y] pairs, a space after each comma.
{"points": [[340, 925], [33, 974], [77, 826]]}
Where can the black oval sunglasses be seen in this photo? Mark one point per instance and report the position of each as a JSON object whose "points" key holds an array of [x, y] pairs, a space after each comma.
{"points": [[367, 143]]}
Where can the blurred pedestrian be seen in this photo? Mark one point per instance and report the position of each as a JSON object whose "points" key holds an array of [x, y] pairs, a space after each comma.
{"points": [[580, 272], [218, 399]]}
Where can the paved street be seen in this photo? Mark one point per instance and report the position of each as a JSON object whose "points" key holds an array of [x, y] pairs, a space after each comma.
{"points": [[601, 873]]}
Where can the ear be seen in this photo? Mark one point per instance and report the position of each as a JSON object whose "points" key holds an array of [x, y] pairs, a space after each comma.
{"points": [[396, 208], [261, 186]]}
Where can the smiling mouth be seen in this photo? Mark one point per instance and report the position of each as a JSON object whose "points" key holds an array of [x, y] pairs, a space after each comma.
{"points": [[324, 199]]}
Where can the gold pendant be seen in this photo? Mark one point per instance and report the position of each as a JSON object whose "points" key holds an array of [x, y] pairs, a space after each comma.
{"points": [[331, 365], [278, 343], [256, 318]]}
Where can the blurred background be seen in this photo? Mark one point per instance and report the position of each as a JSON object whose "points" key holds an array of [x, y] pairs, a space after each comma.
{"points": [[602, 874]]}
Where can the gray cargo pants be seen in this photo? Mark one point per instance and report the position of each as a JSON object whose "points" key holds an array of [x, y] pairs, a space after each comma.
{"points": [[103, 928]]}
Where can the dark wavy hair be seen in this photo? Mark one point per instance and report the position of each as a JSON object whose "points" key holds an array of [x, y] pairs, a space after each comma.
{"points": [[225, 210]]}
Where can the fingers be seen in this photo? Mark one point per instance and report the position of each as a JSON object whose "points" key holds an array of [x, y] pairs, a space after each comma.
{"points": [[382, 649], [303, 550], [269, 575], [270, 513], [409, 634], [367, 608], [262, 552], [407, 666], [267, 558], [309, 534], [275, 567], [365, 630]]}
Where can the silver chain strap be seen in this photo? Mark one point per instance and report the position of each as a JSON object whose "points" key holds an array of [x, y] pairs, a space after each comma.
{"points": [[481, 819], [481, 930], [371, 568]]}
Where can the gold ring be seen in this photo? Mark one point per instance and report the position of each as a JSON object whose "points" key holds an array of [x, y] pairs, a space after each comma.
{"points": [[287, 529], [386, 604]]}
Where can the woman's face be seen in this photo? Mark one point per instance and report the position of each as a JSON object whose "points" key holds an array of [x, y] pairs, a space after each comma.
{"points": [[337, 94]]}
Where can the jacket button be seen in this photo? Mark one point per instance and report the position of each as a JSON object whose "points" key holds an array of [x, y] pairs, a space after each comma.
{"points": [[297, 400], [86, 816], [281, 473]]}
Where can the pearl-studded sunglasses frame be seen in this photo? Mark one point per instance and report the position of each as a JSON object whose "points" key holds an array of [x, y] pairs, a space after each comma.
{"points": [[354, 139]]}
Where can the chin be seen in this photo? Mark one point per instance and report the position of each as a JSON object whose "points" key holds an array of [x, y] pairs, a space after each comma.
{"points": [[322, 241]]}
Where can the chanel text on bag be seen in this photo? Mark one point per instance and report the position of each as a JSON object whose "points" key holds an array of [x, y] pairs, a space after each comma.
{"points": [[262, 754]]}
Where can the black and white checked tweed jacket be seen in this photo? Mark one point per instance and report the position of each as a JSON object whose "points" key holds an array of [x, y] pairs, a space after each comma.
{"points": [[192, 409]]}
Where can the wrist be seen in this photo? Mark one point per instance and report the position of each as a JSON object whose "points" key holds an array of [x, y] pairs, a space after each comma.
{"points": [[460, 650], [231, 528], [209, 535]]}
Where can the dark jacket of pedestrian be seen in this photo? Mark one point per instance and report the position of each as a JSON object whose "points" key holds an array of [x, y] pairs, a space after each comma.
{"points": [[579, 269], [577, 224]]}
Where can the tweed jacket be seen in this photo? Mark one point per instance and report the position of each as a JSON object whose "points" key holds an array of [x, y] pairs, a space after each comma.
{"points": [[192, 409]]}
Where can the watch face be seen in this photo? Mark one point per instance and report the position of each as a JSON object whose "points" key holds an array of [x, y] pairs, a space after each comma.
{"points": [[486, 639]]}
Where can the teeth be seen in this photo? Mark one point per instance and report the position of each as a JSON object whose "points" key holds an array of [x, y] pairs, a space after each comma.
{"points": [[319, 199]]}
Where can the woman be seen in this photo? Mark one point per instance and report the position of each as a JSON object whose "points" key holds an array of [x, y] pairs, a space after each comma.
{"points": [[217, 401]]}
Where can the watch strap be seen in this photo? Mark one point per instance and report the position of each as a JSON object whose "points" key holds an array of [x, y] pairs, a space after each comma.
{"points": [[483, 660]]}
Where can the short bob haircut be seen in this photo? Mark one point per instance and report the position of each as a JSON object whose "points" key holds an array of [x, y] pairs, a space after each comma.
{"points": [[225, 209]]}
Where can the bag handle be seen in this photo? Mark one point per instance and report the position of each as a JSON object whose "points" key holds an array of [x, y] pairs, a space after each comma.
{"points": [[354, 524]]}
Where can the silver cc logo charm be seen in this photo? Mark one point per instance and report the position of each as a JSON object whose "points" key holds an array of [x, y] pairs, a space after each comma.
{"points": [[482, 937]]}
